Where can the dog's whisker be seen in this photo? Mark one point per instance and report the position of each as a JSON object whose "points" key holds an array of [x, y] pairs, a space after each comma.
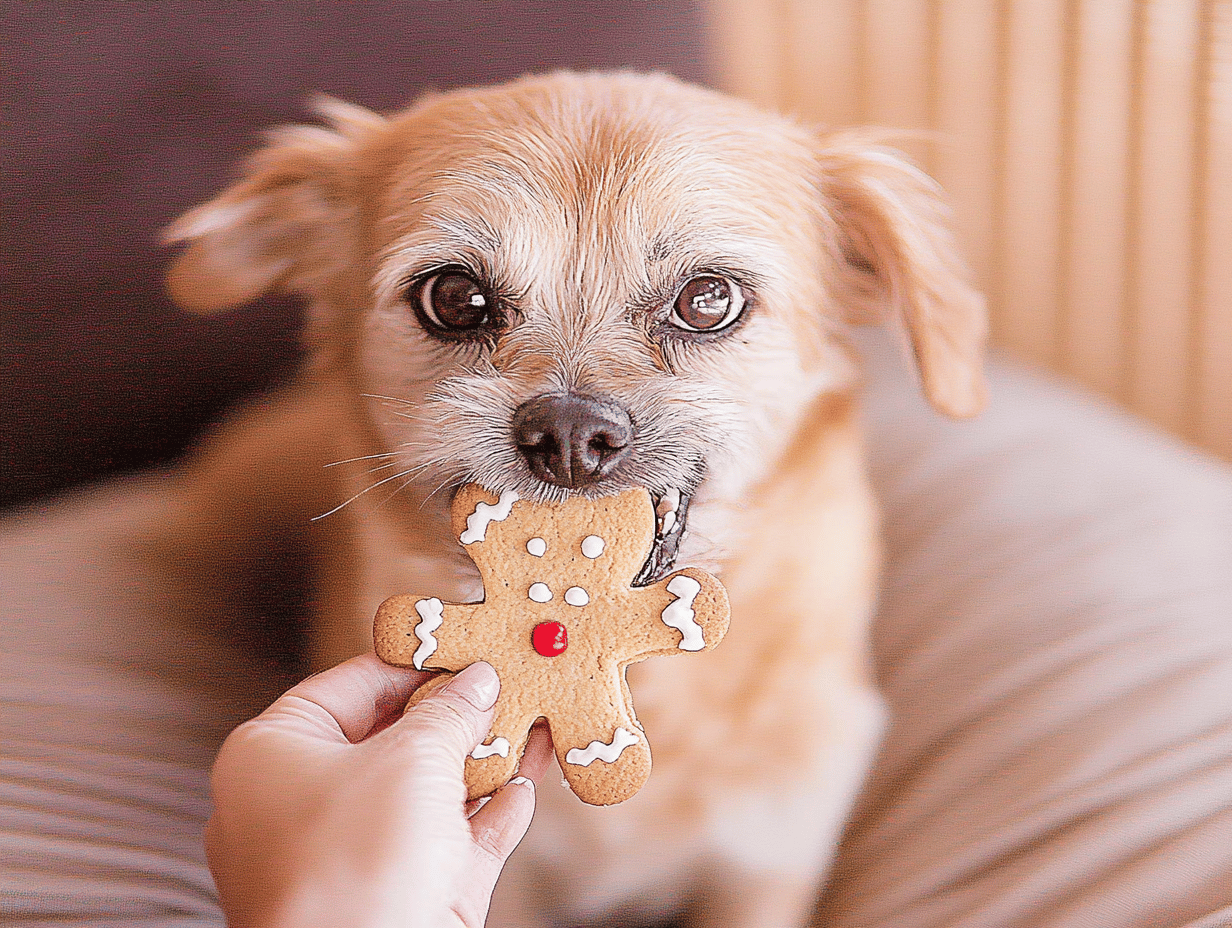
{"points": [[391, 399], [410, 478], [397, 406], [365, 457], [342, 506], [373, 470], [442, 485]]}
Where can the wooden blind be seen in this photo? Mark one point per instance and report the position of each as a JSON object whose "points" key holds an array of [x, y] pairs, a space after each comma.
{"points": [[1086, 146]]}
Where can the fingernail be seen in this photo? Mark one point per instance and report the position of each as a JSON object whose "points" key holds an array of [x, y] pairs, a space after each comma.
{"points": [[478, 684], [522, 781]]}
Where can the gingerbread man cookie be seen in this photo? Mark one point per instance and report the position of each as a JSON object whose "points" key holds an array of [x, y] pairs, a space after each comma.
{"points": [[560, 622]]}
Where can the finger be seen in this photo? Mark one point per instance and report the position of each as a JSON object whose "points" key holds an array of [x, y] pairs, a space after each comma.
{"points": [[538, 755], [353, 698], [427, 690], [501, 823], [441, 729]]}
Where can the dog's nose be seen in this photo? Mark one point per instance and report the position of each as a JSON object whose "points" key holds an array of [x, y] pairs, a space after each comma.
{"points": [[570, 439]]}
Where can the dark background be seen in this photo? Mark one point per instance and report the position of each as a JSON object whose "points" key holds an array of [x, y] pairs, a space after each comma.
{"points": [[118, 116]]}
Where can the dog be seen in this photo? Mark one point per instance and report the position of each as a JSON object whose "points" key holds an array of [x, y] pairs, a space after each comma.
{"points": [[577, 284]]}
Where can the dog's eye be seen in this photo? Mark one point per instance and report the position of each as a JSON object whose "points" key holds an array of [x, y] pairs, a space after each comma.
{"points": [[707, 304], [453, 302]]}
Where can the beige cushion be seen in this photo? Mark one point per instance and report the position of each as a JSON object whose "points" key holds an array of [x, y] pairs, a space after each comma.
{"points": [[1055, 643]]}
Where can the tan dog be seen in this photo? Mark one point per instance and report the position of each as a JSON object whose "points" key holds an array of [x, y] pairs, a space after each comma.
{"points": [[578, 284]]}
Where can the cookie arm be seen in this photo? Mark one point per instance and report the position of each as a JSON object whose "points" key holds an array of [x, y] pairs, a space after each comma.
{"points": [[424, 633], [687, 611]]}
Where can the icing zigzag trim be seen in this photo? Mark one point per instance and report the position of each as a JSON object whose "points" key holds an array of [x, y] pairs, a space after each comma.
{"points": [[498, 746], [485, 513], [598, 750], [431, 615], [680, 615]]}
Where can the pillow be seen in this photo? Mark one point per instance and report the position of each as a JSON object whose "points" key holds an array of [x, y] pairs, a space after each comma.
{"points": [[1055, 644]]}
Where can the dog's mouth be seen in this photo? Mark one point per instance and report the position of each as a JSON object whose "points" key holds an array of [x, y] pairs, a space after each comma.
{"points": [[671, 510], [671, 513]]}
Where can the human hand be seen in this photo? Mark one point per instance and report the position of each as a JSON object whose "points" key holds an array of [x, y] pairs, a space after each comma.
{"points": [[332, 808]]}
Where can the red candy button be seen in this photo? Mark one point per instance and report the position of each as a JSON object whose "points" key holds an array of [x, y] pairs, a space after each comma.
{"points": [[549, 638]]}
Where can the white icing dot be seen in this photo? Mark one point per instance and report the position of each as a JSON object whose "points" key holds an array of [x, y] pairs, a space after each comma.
{"points": [[592, 546], [576, 596], [540, 593], [536, 547]]}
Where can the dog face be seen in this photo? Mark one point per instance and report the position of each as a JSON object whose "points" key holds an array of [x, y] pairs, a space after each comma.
{"points": [[584, 283]]}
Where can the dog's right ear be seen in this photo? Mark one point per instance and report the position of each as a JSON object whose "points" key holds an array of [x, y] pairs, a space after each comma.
{"points": [[896, 261], [288, 224]]}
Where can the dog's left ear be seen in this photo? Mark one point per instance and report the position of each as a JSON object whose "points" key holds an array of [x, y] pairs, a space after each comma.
{"points": [[895, 258], [288, 224]]}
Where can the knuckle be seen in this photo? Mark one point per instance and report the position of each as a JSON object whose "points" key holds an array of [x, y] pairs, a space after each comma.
{"points": [[439, 718]]}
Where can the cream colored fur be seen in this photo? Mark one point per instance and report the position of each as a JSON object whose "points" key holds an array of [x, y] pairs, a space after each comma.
{"points": [[587, 196]]}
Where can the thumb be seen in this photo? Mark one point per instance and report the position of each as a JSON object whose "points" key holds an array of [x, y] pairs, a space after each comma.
{"points": [[445, 725]]}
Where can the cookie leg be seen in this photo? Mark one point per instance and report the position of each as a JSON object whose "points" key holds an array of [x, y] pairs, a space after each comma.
{"points": [[603, 754], [430, 687], [495, 760]]}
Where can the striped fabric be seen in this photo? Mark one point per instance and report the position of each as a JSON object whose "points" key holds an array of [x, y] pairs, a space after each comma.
{"points": [[114, 696]]}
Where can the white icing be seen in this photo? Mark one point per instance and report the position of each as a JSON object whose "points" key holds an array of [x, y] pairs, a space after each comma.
{"points": [[541, 593], [592, 546], [536, 547], [498, 746], [431, 615], [576, 596], [679, 614], [485, 513], [598, 750]]}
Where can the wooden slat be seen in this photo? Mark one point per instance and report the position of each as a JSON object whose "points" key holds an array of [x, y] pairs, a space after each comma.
{"points": [[1161, 286], [896, 71], [1095, 259], [1214, 354], [1087, 147], [966, 100], [747, 49], [823, 48], [1027, 312]]}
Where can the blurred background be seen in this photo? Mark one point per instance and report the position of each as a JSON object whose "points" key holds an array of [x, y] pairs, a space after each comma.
{"points": [[1086, 146]]}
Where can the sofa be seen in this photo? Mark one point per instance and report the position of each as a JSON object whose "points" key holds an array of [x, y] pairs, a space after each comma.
{"points": [[1054, 634]]}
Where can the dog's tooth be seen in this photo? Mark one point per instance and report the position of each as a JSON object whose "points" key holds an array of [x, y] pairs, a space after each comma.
{"points": [[668, 502], [667, 522]]}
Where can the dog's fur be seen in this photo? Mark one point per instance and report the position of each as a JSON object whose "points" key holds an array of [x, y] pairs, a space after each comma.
{"points": [[587, 200]]}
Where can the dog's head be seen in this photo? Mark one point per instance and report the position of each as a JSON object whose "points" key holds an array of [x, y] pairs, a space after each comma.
{"points": [[582, 283]]}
